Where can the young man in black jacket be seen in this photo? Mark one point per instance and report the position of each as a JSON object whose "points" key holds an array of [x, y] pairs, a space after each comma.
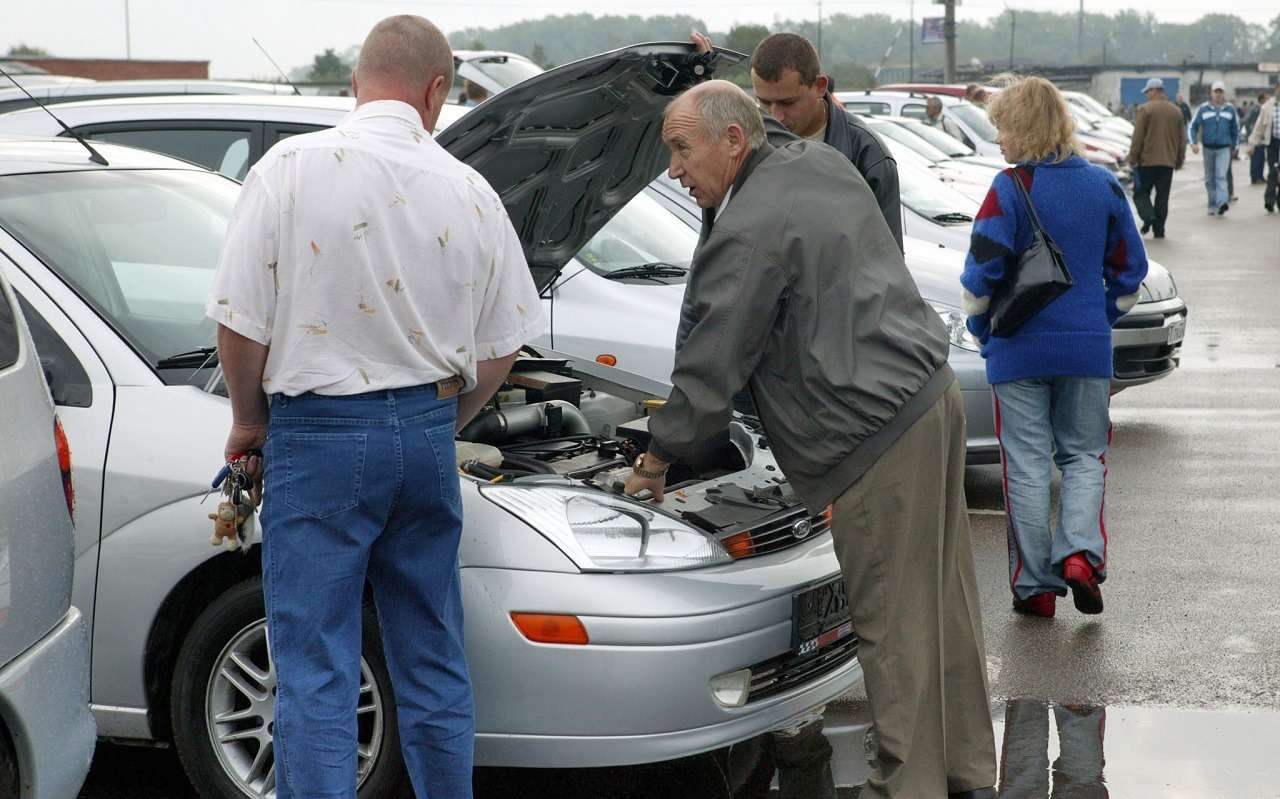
{"points": [[789, 85]]}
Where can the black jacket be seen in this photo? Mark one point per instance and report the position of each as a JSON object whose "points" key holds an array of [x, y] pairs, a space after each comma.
{"points": [[846, 133]]}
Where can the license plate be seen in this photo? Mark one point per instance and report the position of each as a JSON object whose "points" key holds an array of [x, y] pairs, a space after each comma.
{"points": [[1176, 331], [820, 617]]}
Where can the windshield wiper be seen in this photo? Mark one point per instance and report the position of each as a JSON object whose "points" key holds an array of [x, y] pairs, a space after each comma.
{"points": [[953, 218], [195, 359], [653, 270]]}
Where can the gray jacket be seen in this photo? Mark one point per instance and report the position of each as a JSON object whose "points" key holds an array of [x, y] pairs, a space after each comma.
{"points": [[800, 292]]}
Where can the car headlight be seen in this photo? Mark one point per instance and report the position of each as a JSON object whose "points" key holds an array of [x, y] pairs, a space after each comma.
{"points": [[1144, 293], [603, 533], [957, 332]]}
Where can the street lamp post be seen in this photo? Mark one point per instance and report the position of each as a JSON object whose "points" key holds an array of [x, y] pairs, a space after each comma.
{"points": [[128, 44]]}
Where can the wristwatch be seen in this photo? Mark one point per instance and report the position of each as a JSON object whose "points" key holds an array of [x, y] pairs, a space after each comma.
{"points": [[647, 474]]}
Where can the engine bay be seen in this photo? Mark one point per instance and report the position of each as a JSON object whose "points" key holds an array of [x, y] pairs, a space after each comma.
{"points": [[553, 424]]}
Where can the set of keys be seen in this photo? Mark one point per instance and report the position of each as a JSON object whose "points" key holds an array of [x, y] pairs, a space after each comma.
{"points": [[234, 524]]}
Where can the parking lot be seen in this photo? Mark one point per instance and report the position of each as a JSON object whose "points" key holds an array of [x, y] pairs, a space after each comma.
{"points": [[1183, 669]]}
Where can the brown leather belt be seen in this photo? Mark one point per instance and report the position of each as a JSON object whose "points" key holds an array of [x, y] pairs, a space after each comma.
{"points": [[449, 387]]}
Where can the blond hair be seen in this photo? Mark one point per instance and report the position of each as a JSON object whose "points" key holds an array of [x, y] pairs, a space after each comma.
{"points": [[1033, 117]]}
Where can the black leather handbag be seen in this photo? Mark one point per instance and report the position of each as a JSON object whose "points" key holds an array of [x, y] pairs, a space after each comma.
{"points": [[1038, 278]]}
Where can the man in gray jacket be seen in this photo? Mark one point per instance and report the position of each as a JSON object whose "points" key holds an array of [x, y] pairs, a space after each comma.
{"points": [[815, 312]]}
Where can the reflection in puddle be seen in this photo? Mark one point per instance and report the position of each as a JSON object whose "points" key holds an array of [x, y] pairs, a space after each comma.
{"points": [[1024, 754]]}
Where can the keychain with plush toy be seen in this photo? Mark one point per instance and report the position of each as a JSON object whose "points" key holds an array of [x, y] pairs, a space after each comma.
{"points": [[234, 522]]}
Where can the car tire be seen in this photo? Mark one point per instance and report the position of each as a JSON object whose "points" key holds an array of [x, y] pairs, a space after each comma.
{"points": [[234, 617]]}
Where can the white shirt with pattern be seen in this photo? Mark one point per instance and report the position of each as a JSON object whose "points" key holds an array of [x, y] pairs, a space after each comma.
{"points": [[366, 257]]}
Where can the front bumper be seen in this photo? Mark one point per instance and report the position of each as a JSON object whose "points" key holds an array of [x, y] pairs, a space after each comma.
{"points": [[44, 702], [1147, 342], [639, 692]]}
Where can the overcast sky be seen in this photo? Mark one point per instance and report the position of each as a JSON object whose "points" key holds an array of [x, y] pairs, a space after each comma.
{"points": [[294, 30]]}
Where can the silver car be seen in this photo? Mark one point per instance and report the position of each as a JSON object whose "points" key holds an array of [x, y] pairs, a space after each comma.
{"points": [[601, 630], [46, 730]]}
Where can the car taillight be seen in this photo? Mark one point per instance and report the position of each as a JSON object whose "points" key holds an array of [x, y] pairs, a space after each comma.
{"points": [[64, 465]]}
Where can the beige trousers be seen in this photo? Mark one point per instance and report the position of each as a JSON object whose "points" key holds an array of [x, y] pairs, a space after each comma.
{"points": [[902, 536]]}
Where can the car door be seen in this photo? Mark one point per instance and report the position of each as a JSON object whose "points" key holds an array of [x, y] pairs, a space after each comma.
{"points": [[229, 147], [84, 396], [276, 132]]}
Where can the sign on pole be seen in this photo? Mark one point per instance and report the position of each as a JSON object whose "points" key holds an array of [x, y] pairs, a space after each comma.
{"points": [[1269, 66], [933, 30]]}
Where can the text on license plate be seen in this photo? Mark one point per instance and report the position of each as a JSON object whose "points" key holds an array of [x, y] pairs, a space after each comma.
{"points": [[1176, 331], [820, 617]]}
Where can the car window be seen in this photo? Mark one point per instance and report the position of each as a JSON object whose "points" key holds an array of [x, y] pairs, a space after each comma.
{"points": [[918, 145], [8, 333], [943, 141], [68, 381], [140, 246], [225, 151], [929, 197], [643, 232], [976, 119], [501, 71], [866, 108], [913, 110]]}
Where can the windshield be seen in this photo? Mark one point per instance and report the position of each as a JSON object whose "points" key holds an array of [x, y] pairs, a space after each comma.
{"points": [[931, 198], [140, 246], [643, 232], [1090, 103], [900, 134], [976, 119], [505, 71], [945, 142]]}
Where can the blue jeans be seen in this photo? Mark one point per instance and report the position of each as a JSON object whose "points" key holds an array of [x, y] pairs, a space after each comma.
{"points": [[1039, 422], [1216, 162], [1257, 161], [360, 487]]}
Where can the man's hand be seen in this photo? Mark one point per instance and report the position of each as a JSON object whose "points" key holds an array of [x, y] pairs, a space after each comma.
{"points": [[702, 41], [1195, 148], [244, 437], [656, 485]]}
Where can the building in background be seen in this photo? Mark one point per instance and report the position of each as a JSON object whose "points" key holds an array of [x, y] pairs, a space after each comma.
{"points": [[116, 68]]}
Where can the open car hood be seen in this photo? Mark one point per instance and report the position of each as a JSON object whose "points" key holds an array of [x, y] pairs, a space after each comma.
{"points": [[568, 148]]}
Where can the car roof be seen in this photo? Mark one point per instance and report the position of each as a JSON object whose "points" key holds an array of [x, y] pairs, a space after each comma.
{"points": [[307, 109], [874, 94], [473, 55], [44, 89], [21, 155]]}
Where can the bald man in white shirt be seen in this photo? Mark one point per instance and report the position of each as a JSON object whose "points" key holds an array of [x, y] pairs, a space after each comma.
{"points": [[370, 297]]}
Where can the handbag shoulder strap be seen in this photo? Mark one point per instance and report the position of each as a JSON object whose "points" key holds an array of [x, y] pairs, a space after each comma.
{"points": [[1026, 197]]}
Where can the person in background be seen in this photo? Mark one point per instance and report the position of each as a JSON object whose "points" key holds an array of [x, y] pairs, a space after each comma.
{"points": [[933, 112], [1257, 155], [1185, 109], [1216, 125], [1266, 136], [1158, 147], [976, 95], [371, 295], [1051, 379], [473, 94]]}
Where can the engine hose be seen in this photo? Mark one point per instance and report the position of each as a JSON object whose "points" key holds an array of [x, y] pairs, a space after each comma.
{"points": [[510, 460]]}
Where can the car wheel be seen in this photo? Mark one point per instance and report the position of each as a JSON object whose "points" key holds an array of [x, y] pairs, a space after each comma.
{"points": [[222, 705]]}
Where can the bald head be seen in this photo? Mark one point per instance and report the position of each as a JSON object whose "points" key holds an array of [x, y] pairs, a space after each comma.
{"points": [[711, 130], [405, 58]]}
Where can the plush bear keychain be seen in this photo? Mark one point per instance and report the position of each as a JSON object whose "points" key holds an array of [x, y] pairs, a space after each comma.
{"points": [[233, 521]]}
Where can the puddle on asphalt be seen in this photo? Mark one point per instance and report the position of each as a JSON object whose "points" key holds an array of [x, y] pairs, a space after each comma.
{"points": [[1070, 751]]}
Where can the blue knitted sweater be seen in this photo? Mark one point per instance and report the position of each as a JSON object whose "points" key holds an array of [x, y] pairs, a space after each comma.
{"points": [[1084, 210]]}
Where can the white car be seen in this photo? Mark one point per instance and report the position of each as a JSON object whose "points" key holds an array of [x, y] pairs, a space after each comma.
{"points": [[67, 91], [1104, 114], [970, 124], [700, 608], [971, 179]]}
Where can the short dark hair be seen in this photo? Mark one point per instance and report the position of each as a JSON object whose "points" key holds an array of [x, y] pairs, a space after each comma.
{"points": [[783, 51]]}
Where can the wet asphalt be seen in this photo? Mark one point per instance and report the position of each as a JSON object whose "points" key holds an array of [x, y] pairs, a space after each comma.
{"points": [[1174, 692]]}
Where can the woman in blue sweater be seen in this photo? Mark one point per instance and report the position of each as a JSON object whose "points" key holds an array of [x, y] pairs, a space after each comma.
{"points": [[1052, 378]]}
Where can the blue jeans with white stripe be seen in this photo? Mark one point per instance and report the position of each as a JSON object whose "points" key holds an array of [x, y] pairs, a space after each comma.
{"points": [[358, 487], [1040, 422]]}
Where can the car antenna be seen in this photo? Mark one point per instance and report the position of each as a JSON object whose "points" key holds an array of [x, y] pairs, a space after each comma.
{"points": [[94, 155], [277, 66]]}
